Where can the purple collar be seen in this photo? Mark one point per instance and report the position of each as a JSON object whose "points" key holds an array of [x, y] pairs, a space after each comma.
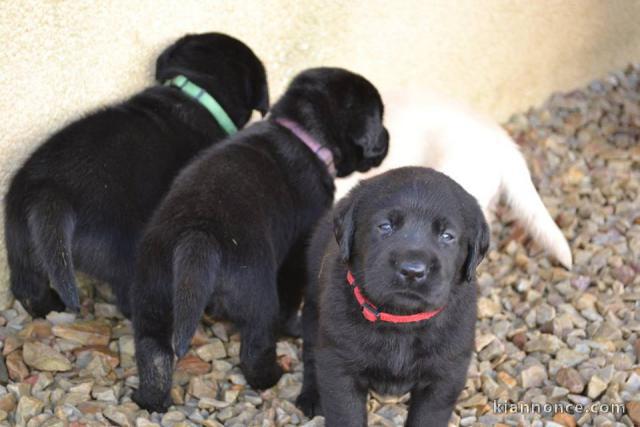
{"points": [[318, 149]]}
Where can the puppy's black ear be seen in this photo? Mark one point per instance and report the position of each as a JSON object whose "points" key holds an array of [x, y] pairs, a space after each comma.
{"points": [[343, 227], [161, 65], [261, 99], [477, 248], [257, 87]]}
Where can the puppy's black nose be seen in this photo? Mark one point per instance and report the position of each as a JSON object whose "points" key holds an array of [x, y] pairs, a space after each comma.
{"points": [[412, 271]]}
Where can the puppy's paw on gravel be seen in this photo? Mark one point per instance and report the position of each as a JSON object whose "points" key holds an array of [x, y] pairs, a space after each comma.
{"points": [[151, 404], [263, 379], [309, 402]]}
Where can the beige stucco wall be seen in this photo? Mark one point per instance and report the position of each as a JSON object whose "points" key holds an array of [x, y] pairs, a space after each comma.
{"points": [[60, 58]]}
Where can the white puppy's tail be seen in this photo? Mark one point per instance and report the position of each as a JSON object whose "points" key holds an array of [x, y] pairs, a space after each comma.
{"points": [[522, 197]]}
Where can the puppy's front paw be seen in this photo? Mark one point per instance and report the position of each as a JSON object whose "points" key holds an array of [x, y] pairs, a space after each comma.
{"points": [[309, 402], [151, 403], [263, 379]]}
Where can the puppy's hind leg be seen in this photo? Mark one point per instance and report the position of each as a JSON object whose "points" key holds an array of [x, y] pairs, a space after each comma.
{"points": [[152, 303], [122, 271], [309, 399], [291, 280], [121, 288], [29, 282], [196, 261], [256, 313], [51, 223], [168, 300]]}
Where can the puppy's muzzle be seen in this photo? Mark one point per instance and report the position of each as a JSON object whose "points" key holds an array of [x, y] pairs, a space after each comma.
{"points": [[378, 149], [412, 271], [413, 268]]}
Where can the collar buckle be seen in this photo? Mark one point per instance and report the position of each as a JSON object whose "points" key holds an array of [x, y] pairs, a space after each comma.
{"points": [[368, 308]]}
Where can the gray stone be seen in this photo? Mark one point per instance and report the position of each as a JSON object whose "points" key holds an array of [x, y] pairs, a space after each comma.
{"points": [[533, 376]]}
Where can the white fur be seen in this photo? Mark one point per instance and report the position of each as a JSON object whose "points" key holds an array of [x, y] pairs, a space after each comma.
{"points": [[426, 130]]}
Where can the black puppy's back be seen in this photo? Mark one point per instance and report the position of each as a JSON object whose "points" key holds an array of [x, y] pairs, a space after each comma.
{"points": [[82, 198], [216, 244], [229, 237]]}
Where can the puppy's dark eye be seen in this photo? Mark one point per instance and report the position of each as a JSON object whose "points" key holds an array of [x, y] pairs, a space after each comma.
{"points": [[447, 237], [385, 227]]}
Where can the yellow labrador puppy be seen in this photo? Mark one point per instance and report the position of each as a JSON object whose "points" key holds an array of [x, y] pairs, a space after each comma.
{"points": [[427, 130]]}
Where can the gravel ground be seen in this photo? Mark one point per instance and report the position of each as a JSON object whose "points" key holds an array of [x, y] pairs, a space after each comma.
{"points": [[544, 335]]}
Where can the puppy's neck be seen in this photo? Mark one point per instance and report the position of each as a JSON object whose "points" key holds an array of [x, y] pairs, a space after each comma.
{"points": [[320, 150], [371, 312], [206, 100], [228, 100]]}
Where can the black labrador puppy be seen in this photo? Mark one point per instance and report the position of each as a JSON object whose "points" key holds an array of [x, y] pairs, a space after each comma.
{"points": [[391, 302], [82, 199], [229, 238]]}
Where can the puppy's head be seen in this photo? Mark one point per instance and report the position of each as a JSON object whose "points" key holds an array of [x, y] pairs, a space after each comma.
{"points": [[217, 60], [345, 110], [410, 236]]}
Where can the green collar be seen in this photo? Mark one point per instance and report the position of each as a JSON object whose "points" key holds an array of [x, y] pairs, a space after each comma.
{"points": [[206, 100]]}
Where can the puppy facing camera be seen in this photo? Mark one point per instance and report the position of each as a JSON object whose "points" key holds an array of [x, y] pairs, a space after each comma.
{"points": [[391, 300]]}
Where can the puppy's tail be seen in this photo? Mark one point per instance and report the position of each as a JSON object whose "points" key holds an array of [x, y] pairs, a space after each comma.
{"points": [[524, 200], [51, 222], [196, 260]]}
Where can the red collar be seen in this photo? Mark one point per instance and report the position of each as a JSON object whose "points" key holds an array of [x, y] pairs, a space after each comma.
{"points": [[372, 314]]}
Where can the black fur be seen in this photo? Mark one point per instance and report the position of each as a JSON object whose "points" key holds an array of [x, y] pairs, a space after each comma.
{"points": [[395, 220], [81, 200], [229, 238]]}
